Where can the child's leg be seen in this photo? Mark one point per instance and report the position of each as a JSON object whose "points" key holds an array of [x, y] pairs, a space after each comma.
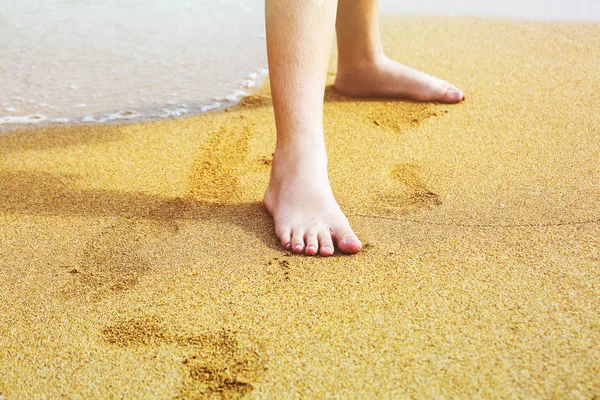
{"points": [[307, 217], [363, 70]]}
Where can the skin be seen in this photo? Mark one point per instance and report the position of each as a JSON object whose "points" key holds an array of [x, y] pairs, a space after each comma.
{"points": [[299, 38]]}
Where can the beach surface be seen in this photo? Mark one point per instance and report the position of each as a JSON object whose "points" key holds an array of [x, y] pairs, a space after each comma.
{"points": [[137, 261]]}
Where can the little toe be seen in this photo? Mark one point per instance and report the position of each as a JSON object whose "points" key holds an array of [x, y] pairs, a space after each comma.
{"points": [[312, 243], [325, 243], [286, 238], [298, 241]]}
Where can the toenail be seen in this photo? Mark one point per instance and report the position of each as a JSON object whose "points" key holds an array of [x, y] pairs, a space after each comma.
{"points": [[288, 245], [299, 247]]}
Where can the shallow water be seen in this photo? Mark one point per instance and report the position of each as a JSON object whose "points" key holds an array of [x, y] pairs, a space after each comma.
{"points": [[66, 61], [86, 61]]}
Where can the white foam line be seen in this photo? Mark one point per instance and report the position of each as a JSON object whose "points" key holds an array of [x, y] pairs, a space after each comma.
{"points": [[60, 120], [253, 79], [127, 114], [209, 107], [25, 119], [236, 96], [248, 83], [166, 113]]}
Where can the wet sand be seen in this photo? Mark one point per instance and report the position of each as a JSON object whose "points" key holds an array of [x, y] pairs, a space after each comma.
{"points": [[137, 260]]}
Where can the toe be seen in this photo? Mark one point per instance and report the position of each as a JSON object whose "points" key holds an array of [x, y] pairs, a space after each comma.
{"points": [[325, 243], [312, 243], [298, 241], [285, 237], [347, 241], [453, 94]]}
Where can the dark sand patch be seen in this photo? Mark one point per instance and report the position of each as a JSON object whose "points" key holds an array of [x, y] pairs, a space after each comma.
{"points": [[214, 365]]}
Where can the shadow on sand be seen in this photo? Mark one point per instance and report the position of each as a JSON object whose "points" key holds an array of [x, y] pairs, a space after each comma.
{"points": [[38, 193]]}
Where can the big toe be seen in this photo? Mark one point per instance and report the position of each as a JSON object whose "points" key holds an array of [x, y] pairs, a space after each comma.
{"points": [[452, 94], [347, 241]]}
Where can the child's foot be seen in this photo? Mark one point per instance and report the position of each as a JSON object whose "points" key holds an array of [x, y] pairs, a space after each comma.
{"points": [[307, 217], [388, 78]]}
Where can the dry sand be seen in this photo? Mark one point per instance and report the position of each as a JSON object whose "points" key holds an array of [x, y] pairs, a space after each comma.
{"points": [[138, 262]]}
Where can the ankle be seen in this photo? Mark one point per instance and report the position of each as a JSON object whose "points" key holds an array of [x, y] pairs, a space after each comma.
{"points": [[300, 155], [300, 160], [300, 146], [358, 63]]}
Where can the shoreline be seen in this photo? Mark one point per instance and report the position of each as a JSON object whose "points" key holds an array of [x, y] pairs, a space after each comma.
{"points": [[252, 82], [75, 93]]}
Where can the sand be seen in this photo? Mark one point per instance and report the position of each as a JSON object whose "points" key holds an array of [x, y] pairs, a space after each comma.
{"points": [[138, 262]]}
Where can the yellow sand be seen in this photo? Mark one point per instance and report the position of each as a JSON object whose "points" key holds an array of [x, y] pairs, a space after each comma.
{"points": [[137, 261]]}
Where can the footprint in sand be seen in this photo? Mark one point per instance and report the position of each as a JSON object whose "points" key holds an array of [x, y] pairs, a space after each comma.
{"points": [[108, 263], [265, 161], [408, 192], [279, 269], [215, 176], [411, 116], [233, 165], [215, 365]]}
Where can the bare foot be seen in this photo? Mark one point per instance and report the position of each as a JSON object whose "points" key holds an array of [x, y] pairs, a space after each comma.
{"points": [[388, 78], [307, 217]]}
